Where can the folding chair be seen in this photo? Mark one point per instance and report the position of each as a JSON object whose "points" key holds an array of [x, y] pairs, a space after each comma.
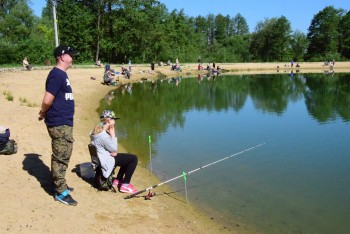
{"points": [[98, 169]]}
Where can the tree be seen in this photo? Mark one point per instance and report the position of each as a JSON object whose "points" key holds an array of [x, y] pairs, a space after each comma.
{"points": [[144, 31], [211, 28], [77, 27], [344, 30], [299, 45], [182, 36], [98, 30], [240, 26], [271, 40], [221, 27], [238, 48], [16, 23], [200, 25], [323, 34]]}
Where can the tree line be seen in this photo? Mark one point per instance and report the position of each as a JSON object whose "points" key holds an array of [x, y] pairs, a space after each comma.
{"points": [[144, 31]]}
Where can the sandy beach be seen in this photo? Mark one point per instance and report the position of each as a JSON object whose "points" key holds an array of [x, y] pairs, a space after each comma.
{"points": [[26, 203]]}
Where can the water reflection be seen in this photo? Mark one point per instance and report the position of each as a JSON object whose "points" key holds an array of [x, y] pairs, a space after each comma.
{"points": [[127, 88], [149, 108]]}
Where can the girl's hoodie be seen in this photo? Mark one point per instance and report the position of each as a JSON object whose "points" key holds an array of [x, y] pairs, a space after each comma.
{"points": [[105, 144]]}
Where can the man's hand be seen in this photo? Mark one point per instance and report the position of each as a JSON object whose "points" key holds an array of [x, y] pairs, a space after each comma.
{"points": [[41, 115]]}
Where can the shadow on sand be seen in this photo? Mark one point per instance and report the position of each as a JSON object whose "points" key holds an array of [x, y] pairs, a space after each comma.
{"points": [[35, 167]]}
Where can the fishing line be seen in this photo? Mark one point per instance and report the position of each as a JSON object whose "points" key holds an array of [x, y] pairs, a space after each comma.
{"points": [[184, 174]]}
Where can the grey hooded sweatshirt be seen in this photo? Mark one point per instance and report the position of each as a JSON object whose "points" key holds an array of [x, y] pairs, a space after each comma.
{"points": [[105, 144]]}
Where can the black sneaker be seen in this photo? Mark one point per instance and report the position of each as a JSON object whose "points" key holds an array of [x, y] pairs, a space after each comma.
{"points": [[67, 199]]}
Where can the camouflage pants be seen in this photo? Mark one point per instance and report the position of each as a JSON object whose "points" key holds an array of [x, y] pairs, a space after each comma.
{"points": [[62, 147]]}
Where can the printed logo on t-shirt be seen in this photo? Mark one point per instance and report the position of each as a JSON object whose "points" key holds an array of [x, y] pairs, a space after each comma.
{"points": [[68, 83], [69, 96]]}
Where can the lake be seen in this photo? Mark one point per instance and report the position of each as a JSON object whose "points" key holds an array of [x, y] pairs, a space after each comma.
{"points": [[297, 182]]}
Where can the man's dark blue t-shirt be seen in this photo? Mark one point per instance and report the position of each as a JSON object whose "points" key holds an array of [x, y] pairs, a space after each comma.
{"points": [[62, 110]]}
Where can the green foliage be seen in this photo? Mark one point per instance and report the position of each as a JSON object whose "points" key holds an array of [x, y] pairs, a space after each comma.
{"points": [[16, 21], [25, 102], [239, 25], [6, 51], [271, 40], [323, 33], [76, 27], [345, 36], [143, 31], [299, 45], [221, 26], [239, 47], [8, 95]]}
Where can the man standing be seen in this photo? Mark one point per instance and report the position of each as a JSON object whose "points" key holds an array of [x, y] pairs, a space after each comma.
{"points": [[57, 109]]}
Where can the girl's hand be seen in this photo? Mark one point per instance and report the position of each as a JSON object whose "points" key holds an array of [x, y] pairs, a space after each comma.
{"points": [[106, 126], [111, 123], [111, 127], [114, 154]]}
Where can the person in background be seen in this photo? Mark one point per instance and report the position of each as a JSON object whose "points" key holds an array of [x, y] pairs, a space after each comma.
{"points": [[57, 109], [108, 67], [218, 70], [108, 78], [104, 139], [98, 63], [26, 64]]}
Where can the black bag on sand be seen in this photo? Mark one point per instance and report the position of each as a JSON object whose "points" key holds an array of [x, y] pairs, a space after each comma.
{"points": [[10, 148]]}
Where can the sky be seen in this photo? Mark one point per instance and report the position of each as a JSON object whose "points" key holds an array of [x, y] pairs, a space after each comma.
{"points": [[298, 12]]}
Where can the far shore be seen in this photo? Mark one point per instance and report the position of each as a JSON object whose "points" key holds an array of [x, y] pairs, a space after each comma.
{"points": [[138, 70], [27, 205]]}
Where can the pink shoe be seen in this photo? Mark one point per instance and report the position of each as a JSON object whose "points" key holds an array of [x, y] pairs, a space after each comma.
{"points": [[115, 183], [127, 188]]}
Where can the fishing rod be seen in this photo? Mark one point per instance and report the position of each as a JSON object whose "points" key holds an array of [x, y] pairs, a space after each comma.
{"points": [[190, 172]]}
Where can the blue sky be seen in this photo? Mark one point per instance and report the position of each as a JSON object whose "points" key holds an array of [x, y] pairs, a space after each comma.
{"points": [[298, 12]]}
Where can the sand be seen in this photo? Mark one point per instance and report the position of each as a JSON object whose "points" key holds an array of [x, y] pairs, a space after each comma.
{"points": [[25, 201]]}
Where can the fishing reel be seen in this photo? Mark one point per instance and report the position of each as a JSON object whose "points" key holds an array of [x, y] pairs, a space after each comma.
{"points": [[149, 195]]}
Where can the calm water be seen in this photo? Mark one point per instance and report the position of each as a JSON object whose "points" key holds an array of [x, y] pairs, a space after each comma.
{"points": [[298, 182]]}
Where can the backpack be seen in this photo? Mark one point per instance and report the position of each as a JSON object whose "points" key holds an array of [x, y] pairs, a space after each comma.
{"points": [[10, 148]]}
